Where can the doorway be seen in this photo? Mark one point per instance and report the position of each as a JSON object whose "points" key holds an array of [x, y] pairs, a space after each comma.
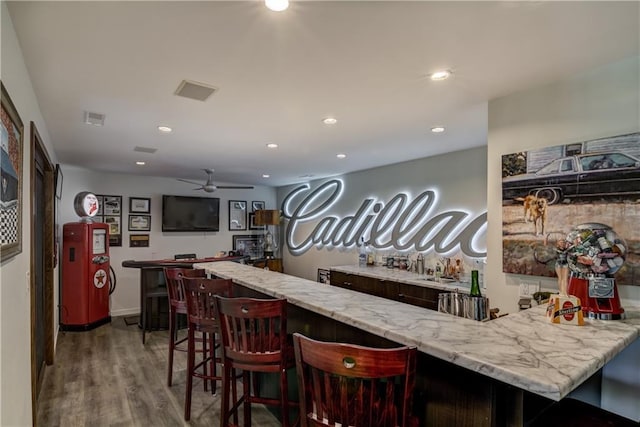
{"points": [[42, 263]]}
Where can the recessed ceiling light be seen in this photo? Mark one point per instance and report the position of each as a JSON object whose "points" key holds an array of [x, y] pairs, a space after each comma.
{"points": [[437, 129], [341, 155], [265, 175], [277, 5], [440, 75], [329, 121], [272, 145], [165, 129], [140, 163]]}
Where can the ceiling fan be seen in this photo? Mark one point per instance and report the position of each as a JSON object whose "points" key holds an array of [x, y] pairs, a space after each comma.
{"points": [[210, 187]]}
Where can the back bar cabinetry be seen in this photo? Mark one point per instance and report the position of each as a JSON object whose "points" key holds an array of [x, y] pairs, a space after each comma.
{"points": [[418, 295]]}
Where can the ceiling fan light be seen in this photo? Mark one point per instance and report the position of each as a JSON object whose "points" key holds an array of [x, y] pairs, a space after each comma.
{"points": [[277, 5]]}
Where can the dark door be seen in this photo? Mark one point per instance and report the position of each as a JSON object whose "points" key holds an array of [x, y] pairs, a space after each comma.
{"points": [[39, 267]]}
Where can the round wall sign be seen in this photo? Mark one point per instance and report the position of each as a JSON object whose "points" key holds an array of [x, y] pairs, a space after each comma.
{"points": [[86, 204]]}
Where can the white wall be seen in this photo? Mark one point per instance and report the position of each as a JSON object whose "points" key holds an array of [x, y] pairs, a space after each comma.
{"points": [[600, 103], [126, 298], [459, 178], [15, 311]]}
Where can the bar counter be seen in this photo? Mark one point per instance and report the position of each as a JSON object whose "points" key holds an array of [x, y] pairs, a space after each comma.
{"points": [[522, 349]]}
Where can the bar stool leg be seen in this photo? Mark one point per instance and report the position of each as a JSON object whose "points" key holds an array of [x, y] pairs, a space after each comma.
{"points": [[172, 345], [190, 363]]}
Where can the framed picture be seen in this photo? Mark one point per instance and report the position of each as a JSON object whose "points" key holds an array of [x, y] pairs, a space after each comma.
{"points": [[112, 205], [110, 208], [139, 222], [139, 205], [237, 215], [249, 245], [257, 205], [11, 134], [100, 207], [252, 222], [58, 183], [324, 276], [138, 240]]}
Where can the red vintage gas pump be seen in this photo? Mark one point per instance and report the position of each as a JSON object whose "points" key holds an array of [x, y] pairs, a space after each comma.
{"points": [[84, 296]]}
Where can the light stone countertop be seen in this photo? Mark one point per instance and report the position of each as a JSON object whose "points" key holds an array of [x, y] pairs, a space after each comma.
{"points": [[404, 276], [522, 349]]}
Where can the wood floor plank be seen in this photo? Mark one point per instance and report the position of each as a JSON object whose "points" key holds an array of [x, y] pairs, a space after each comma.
{"points": [[106, 377]]}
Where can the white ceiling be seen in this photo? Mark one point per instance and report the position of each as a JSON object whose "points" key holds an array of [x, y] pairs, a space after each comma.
{"points": [[280, 74]]}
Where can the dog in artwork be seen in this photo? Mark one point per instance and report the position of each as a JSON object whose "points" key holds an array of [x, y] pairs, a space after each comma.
{"points": [[535, 210]]}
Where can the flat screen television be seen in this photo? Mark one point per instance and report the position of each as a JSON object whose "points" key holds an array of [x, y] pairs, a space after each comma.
{"points": [[185, 213]]}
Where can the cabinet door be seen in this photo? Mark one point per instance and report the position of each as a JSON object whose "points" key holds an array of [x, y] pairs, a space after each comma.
{"points": [[418, 295]]}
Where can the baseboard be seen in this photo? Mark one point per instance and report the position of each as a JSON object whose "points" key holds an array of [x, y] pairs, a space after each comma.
{"points": [[125, 312]]}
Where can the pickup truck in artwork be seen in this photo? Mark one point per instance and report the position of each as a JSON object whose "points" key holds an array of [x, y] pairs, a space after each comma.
{"points": [[604, 175]]}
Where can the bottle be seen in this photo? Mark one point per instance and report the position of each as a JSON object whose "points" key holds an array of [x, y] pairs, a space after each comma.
{"points": [[371, 256], [475, 284], [362, 257], [438, 273], [420, 264]]}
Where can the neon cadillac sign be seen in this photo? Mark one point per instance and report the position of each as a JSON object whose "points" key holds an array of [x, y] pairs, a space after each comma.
{"points": [[401, 223]]}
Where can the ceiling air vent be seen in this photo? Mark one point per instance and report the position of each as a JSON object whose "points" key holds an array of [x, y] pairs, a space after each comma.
{"points": [[195, 90], [145, 150], [95, 119]]}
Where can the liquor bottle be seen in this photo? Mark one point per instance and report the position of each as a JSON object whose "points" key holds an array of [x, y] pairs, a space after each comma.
{"points": [[475, 284], [362, 257]]}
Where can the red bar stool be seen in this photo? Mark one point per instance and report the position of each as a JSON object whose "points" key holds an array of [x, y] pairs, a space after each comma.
{"points": [[254, 339], [177, 305], [201, 315], [354, 385]]}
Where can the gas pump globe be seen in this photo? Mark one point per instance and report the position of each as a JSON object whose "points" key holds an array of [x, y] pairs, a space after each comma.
{"points": [[594, 253]]}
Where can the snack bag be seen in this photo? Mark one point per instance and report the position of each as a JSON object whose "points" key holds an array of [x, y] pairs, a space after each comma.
{"points": [[565, 309]]}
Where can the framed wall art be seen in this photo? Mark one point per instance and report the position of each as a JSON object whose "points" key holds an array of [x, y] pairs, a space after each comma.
{"points": [[11, 140], [139, 222], [249, 245], [257, 205], [139, 205], [110, 209], [237, 215]]}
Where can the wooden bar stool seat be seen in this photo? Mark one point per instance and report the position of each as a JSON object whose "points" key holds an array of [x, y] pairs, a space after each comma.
{"points": [[254, 339], [177, 306], [201, 315], [354, 385]]}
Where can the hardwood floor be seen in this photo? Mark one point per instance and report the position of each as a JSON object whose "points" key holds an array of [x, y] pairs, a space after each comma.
{"points": [[106, 377]]}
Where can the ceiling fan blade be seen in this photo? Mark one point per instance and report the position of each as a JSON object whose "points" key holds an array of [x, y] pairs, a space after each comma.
{"points": [[189, 182], [245, 187]]}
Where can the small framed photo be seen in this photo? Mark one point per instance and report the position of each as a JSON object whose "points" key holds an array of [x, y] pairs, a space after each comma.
{"points": [[139, 222], [112, 205], [252, 222], [139, 205], [114, 224], [257, 205], [138, 240]]}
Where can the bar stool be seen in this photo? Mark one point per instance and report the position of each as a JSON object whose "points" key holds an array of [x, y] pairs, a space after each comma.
{"points": [[177, 305], [354, 385], [201, 315], [254, 339]]}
